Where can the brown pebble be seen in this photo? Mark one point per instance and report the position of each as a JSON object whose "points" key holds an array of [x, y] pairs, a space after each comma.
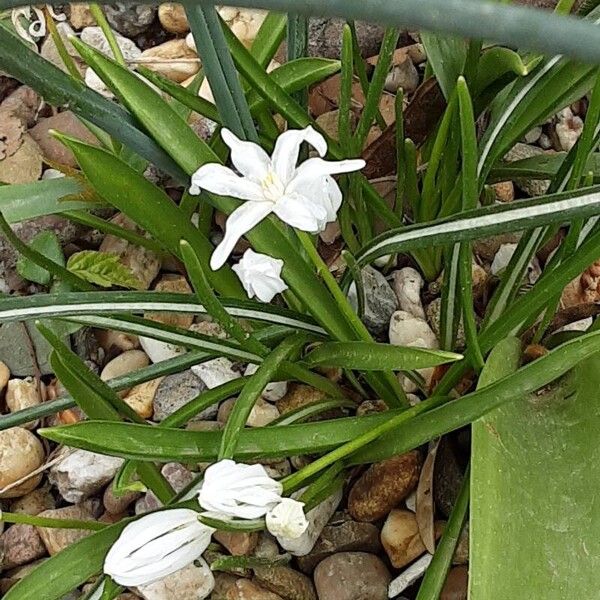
{"points": [[286, 582], [238, 543], [456, 584], [383, 486], [352, 576]]}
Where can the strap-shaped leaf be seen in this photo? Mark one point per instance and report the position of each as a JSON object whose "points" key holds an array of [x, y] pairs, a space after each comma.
{"points": [[371, 356], [483, 222]]}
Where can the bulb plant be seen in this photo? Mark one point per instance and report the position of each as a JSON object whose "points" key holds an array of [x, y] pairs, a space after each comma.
{"points": [[284, 313]]}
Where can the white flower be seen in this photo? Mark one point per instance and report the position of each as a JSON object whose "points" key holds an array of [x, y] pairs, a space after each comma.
{"points": [[287, 519], [305, 196], [156, 546], [234, 490], [260, 275]]}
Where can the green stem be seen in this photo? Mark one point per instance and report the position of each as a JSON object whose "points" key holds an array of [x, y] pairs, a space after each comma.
{"points": [[49, 522], [100, 18]]}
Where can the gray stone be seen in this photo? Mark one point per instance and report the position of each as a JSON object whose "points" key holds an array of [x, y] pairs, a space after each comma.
{"points": [[130, 19], [325, 37], [176, 390], [343, 535], [532, 187], [380, 300], [15, 349], [177, 475], [81, 474], [194, 581]]}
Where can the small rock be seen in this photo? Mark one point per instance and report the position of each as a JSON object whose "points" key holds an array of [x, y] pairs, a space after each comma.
{"points": [[503, 257], [461, 552], [195, 581], [545, 142], [504, 190], [286, 582], [109, 340], [244, 589], [299, 395], [144, 264], [413, 332], [383, 486], [24, 166], [379, 303], [177, 475], [532, 187], [81, 474], [65, 122], [352, 576], [23, 393], [55, 539], [4, 375], [216, 372], [262, 414], [223, 583], [174, 391], [15, 340], [401, 539], [141, 397], [173, 69], [129, 19], [533, 135], [34, 502], [346, 536], [407, 286], [81, 16], [117, 505], [325, 35], [403, 75], [22, 544], [408, 577], [317, 519], [273, 391], [125, 363], [21, 453], [456, 584], [568, 129], [370, 407], [237, 543], [434, 316], [172, 284], [94, 36], [160, 351], [173, 18]]}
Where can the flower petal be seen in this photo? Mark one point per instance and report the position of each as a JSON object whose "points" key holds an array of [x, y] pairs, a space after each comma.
{"points": [[248, 158], [157, 545], [287, 149], [240, 221], [221, 180], [301, 212], [314, 168], [260, 275], [287, 519]]}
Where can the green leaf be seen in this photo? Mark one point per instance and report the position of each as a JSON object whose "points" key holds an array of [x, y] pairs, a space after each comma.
{"points": [[495, 63], [41, 306], [483, 222], [19, 202], [145, 442], [447, 56], [371, 356], [47, 244], [102, 268], [533, 480]]}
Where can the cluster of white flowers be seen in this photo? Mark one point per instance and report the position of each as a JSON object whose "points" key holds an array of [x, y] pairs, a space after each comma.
{"points": [[163, 542], [303, 196]]}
